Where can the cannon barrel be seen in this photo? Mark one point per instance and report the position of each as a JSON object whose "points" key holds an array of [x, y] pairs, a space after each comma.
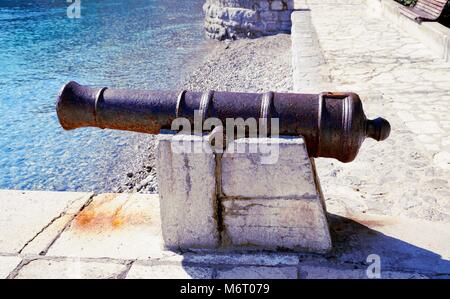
{"points": [[333, 124]]}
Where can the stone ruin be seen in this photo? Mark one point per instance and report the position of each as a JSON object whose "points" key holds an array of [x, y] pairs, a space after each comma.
{"points": [[233, 19]]}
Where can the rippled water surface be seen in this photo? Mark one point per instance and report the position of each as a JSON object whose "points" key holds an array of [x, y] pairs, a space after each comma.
{"points": [[131, 44]]}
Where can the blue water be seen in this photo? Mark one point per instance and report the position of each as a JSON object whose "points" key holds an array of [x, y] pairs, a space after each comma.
{"points": [[116, 43]]}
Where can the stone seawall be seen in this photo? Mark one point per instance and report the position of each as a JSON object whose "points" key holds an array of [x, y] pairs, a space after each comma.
{"points": [[233, 19]]}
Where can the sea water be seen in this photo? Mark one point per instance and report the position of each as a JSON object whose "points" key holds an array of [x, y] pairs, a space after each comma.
{"points": [[117, 43]]}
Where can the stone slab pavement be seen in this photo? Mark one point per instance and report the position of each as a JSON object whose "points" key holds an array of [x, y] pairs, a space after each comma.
{"points": [[398, 78], [30, 221], [119, 236]]}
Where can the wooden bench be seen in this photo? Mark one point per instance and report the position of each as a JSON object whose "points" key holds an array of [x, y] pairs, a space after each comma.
{"points": [[424, 10]]}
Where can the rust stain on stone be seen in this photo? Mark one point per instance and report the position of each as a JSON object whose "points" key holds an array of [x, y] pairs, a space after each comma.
{"points": [[104, 213]]}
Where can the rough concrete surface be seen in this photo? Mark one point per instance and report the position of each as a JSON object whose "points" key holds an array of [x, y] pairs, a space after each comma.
{"points": [[51, 269], [169, 271], [271, 200], [295, 224], [402, 243], [267, 168], [319, 272], [310, 72], [8, 264], [24, 214], [122, 226], [187, 186], [235, 258], [257, 273]]}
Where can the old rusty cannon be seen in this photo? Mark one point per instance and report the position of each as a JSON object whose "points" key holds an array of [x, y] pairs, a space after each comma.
{"points": [[333, 124]]}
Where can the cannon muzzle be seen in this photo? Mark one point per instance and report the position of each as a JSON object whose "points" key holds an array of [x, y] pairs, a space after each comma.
{"points": [[333, 124], [139, 111]]}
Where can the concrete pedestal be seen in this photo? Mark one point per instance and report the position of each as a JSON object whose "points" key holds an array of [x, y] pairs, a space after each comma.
{"points": [[187, 186], [259, 194]]}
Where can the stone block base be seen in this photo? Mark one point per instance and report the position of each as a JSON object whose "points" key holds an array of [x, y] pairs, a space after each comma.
{"points": [[258, 194], [187, 188]]}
